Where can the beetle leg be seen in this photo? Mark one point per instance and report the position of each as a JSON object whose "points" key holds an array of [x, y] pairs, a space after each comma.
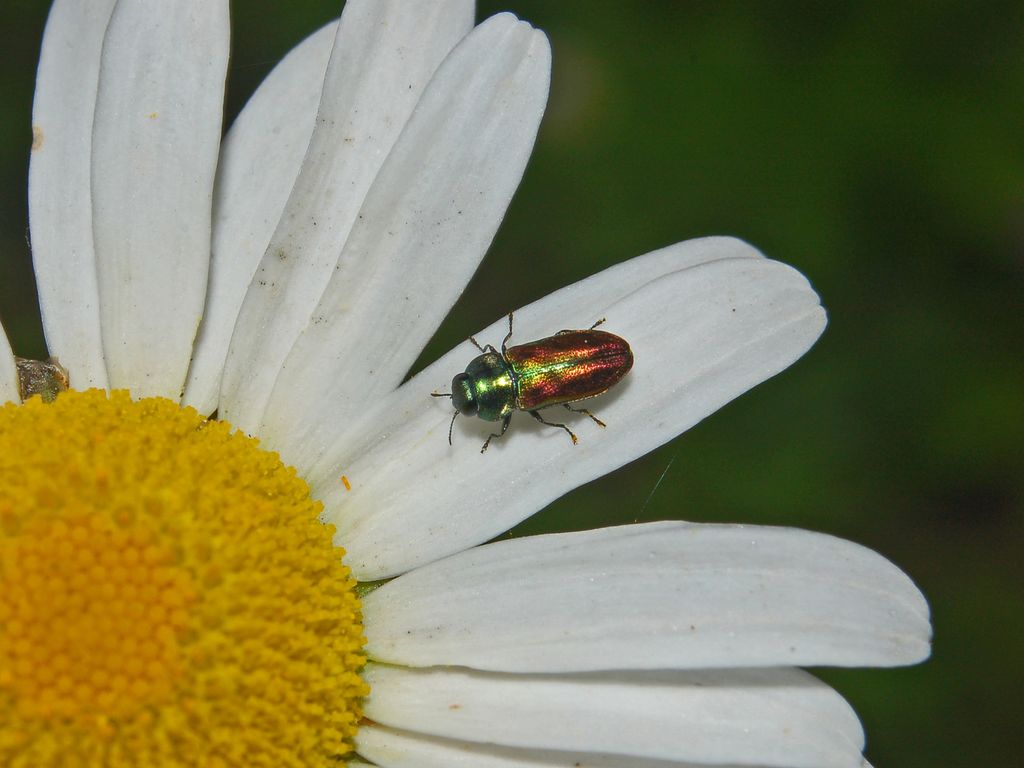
{"points": [[504, 426], [539, 418], [504, 342], [569, 330], [586, 412]]}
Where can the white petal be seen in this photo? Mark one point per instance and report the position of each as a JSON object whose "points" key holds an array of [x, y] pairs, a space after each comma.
{"points": [[9, 392], [59, 195], [580, 300], [700, 336], [577, 300], [384, 56], [425, 226], [660, 595], [393, 748], [156, 137], [775, 717], [259, 160]]}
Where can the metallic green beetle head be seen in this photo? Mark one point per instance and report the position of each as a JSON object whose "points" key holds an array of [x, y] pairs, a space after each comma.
{"points": [[486, 389], [463, 396]]}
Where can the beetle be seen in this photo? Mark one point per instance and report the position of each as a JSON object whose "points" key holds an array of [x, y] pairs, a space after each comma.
{"points": [[557, 370]]}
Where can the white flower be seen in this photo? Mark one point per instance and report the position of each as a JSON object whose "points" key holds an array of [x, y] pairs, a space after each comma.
{"points": [[314, 251]]}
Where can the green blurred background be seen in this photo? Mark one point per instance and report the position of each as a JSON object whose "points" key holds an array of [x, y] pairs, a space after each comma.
{"points": [[878, 148]]}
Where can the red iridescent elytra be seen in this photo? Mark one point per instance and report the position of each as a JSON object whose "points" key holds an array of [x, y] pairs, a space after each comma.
{"points": [[566, 367], [558, 370]]}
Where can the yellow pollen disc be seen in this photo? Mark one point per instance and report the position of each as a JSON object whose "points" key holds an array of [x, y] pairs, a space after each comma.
{"points": [[168, 596]]}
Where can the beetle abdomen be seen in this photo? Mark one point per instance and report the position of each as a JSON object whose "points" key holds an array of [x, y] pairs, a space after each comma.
{"points": [[570, 366]]}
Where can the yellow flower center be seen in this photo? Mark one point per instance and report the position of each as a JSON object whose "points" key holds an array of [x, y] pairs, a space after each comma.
{"points": [[168, 596]]}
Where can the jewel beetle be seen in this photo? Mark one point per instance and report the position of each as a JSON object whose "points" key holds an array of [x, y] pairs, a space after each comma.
{"points": [[558, 370]]}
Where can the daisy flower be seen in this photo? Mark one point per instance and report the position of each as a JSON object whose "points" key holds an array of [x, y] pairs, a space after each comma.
{"points": [[240, 539]]}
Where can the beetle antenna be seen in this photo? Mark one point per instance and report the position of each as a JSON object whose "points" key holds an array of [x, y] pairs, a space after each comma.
{"points": [[440, 394], [450, 426]]}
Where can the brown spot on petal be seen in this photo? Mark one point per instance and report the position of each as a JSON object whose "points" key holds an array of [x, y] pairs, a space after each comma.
{"points": [[47, 378], [37, 137]]}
